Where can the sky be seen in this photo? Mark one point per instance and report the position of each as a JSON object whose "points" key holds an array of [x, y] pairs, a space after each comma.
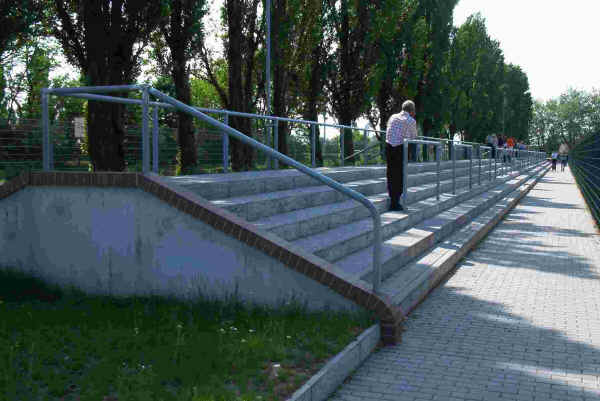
{"points": [[553, 41]]}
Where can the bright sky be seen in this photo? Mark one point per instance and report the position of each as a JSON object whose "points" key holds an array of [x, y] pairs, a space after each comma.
{"points": [[554, 42]]}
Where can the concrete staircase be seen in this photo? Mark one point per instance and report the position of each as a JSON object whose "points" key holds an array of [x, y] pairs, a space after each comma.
{"points": [[325, 223]]}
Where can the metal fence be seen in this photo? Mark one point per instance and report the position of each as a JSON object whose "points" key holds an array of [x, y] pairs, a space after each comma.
{"points": [[584, 160]]}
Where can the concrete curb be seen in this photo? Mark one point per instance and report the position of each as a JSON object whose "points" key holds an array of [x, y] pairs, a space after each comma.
{"points": [[327, 380]]}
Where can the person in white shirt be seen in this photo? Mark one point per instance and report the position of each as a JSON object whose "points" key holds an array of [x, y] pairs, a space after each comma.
{"points": [[400, 126]]}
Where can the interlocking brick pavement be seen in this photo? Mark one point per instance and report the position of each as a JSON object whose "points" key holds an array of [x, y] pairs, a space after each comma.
{"points": [[519, 320]]}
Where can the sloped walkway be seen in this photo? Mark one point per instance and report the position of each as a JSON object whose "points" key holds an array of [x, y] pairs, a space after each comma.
{"points": [[519, 320]]}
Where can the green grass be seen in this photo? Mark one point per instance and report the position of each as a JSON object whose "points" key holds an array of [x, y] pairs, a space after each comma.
{"points": [[63, 345]]}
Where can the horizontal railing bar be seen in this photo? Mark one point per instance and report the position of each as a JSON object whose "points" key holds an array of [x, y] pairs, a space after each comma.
{"points": [[420, 141], [95, 89]]}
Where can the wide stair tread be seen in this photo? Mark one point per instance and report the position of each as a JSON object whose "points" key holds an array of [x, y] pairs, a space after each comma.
{"points": [[422, 236]]}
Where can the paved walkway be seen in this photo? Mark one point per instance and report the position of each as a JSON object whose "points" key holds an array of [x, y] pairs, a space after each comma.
{"points": [[519, 320]]}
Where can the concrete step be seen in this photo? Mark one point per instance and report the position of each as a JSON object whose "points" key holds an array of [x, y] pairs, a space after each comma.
{"points": [[223, 186], [263, 205], [345, 238], [409, 244], [410, 284], [310, 221]]}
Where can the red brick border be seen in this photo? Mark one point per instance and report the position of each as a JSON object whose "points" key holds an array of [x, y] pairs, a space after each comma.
{"points": [[391, 316]]}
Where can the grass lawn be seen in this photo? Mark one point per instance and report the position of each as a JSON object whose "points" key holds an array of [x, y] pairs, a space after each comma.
{"points": [[62, 345]]}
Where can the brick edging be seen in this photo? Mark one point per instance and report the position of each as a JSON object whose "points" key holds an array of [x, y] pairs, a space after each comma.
{"points": [[391, 316]]}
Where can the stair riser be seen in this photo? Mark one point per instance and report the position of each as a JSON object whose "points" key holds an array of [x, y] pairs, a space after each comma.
{"points": [[305, 228], [256, 210], [392, 265], [362, 240], [223, 190]]}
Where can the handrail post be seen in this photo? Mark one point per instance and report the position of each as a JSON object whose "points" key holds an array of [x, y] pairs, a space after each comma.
{"points": [[342, 145], [276, 143], [225, 147], [145, 147], [490, 164], [479, 180], [46, 143], [496, 163], [268, 131], [438, 156], [453, 150], [470, 167], [366, 145], [313, 146], [155, 139], [376, 249], [404, 171]]}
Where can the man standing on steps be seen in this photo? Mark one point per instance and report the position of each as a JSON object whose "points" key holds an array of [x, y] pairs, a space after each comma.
{"points": [[400, 126]]}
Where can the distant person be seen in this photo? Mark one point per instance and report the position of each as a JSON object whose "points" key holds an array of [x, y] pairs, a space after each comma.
{"points": [[563, 161], [502, 145], [554, 159], [400, 126], [490, 142]]}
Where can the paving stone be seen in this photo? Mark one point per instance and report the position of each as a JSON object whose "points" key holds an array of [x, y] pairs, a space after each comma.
{"points": [[520, 317]]}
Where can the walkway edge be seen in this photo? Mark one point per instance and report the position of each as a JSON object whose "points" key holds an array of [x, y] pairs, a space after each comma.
{"points": [[441, 261], [336, 370]]}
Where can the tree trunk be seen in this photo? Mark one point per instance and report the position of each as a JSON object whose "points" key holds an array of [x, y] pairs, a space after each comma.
{"points": [[105, 120], [241, 155], [186, 142]]}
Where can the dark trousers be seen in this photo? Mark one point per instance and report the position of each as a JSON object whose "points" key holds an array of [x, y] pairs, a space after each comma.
{"points": [[395, 176]]}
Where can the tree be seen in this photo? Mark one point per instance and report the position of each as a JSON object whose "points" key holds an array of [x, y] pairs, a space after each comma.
{"points": [[397, 60], [183, 33], [518, 103], [353, 54], [105, 38], [430, 104], [18, 20], [244, 34], [476, 70]]}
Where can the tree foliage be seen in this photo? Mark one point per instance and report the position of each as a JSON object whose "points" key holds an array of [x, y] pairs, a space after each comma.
{"points": [[349, 59], [567, 119]]}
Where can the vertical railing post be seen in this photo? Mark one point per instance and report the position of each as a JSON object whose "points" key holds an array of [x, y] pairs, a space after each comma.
{"points": [[46, 143], [276, 143], [313, 145], [267, 125], [438, 156], [490, 165], [470, 167], [453, 151], [496, 163], [479, 152], [342, 146], [155, 139], [323, 147], [404, 171], [366, 145], [145, 142], [225, 148]]}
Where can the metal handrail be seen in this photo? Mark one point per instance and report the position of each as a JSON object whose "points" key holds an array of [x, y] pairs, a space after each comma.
{"points": [[299, 166], [86, 92]]}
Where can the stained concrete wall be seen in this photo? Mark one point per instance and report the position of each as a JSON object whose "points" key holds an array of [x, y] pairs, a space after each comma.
{"points": [[123, 241]]}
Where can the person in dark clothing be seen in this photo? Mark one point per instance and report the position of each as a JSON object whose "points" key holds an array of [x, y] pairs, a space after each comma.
{"points": [[400, 126]]}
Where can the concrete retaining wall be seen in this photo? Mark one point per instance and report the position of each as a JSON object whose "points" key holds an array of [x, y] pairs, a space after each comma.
{"points": [[124, 241]]}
